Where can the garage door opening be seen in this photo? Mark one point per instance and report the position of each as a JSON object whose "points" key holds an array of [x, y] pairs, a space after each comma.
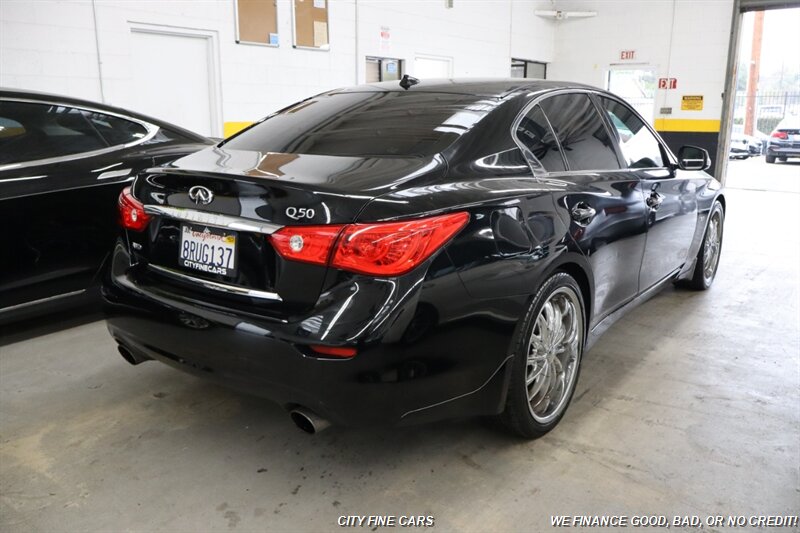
{"points": [[764, 113]]}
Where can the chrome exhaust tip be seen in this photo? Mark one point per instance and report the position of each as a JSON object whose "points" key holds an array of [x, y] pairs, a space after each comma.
{"points": [[129, 357], [308, 421]]}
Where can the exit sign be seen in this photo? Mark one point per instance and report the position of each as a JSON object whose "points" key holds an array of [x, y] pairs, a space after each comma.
{"points": [[627, 55], [667, 83]]}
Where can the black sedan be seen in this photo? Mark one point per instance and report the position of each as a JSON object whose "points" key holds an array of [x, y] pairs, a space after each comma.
{"points": [[63, 163], [400, 253]]}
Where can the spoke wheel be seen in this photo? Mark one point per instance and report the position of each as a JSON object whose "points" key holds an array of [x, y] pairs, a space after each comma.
{"points": [[554, 353], [548, 346], [712, 246], [705, 269]]}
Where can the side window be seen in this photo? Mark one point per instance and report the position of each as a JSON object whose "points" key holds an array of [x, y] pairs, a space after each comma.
{"points": [[10, 128], [580, 129], [535, 133], [44, 131], [115, 130], [639, 146]]}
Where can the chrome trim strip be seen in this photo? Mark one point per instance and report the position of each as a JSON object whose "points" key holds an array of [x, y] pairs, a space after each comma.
{"points": [[121, 173], [41, 301], [215, 285], [213, 219], [152, 130], [24, 178]]}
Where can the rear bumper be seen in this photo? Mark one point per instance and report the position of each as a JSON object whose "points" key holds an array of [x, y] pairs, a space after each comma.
{"points": [[783, 151], [453, 364]]}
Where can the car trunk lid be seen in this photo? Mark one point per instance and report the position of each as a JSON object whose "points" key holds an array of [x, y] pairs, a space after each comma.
{"points": [[230, 201]]}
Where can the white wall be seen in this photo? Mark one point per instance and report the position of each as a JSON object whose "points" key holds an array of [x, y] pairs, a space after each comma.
{"points": [[480, 36], [682, 39], [49, 45]]}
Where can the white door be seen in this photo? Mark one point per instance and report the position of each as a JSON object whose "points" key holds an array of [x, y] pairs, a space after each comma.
{"points": [[172, 78], [428, 67]]}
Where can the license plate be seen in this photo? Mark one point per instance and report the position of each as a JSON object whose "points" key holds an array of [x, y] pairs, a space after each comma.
{"points": [[208, 249]]}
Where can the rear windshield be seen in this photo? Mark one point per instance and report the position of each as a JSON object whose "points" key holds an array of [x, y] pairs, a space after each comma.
{"points": [[368, 124]]}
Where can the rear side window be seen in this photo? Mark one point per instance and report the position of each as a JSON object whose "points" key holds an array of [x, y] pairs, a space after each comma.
{"points": [[115, 130], [580, 129], [10, 128], [639, 146], [44, 131], [367, 124], [535, 133]]}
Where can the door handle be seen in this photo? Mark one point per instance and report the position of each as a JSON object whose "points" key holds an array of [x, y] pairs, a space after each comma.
{"points": [[654, 200], [582, 213]]}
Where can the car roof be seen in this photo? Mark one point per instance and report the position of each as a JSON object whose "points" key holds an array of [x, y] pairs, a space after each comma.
{"points": [[69, 101], [789, 122], [487, 87]]}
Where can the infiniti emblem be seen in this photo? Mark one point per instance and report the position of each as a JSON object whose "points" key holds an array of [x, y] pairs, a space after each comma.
{"points": [[201, 195]]}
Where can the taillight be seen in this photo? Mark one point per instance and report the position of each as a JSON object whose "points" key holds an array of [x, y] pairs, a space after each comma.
{"points": [[308, 244], [131, 212], [378, 249], [335, 351], [780, 135], [394, 248]]}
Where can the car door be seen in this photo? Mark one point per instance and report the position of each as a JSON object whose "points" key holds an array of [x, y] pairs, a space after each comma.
{"points": [[602, 202], [61, 170], [670, 193]]}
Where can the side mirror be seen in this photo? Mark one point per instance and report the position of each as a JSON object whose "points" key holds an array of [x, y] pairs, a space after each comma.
{"points": [[693, 158]]}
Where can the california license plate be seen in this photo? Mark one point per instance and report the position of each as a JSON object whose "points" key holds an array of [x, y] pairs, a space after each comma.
{"points": [[208, 249]]}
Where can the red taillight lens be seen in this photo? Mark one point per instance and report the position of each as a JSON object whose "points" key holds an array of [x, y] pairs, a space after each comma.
{"points": [[379, 249], [308, 244], [336, 351], [780, 135], [131, 212], [394, 248]]}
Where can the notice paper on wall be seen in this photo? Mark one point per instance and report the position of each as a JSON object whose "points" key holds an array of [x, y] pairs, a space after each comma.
{"points": [[692, 102], [320, 33], [319, 4]]}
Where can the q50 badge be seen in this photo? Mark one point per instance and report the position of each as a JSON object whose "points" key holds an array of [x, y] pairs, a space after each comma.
{"points": [[299, 213]]}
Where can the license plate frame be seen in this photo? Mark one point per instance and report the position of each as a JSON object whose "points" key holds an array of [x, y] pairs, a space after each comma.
{"points": [[209, 250]]}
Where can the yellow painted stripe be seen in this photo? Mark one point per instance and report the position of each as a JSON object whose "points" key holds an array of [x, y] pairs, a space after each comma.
{"points": [[661, 124], [229, 128], [687, 124]]}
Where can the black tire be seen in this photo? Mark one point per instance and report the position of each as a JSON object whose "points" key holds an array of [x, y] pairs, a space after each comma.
{"points": [[770, 159], [702, 278], [518, 415]]}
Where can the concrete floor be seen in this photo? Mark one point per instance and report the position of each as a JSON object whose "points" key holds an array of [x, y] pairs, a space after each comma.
{"points": [[688, 406]]}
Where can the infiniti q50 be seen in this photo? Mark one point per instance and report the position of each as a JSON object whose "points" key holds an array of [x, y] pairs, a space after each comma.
{"points": [[400, 253]]}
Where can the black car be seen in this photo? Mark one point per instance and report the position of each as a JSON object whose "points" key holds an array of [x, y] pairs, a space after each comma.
{"points": [[398, 253], [785, 140], [63, 163]]}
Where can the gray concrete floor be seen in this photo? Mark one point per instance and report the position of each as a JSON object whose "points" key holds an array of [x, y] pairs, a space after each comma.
{"points": [[689, 405]]}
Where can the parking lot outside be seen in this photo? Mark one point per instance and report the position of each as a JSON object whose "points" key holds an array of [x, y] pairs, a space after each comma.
{"points": [[671, 416]]}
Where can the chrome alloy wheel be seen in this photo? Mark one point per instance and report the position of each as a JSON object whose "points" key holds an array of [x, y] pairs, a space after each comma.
{"points": [[554, 352], [712, 246]]}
